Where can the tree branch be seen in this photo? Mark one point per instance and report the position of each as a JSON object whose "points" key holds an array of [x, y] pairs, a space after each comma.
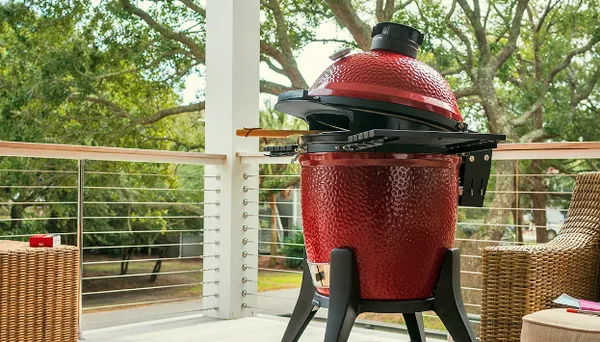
{"points": [[195, 7], [461, 35], [480, 33], [146, 66], [403, 5], [521, 120], [347, 17], [158, 115], [273, 88], [379, 11], [285, 57], [534, 136], [454, 71], [487, 15], [281, 27], [513, 35], [384, 12], [332, 40], [116, 109], [272, 51], [196, 49], [163, 113], [272, 66], [465, 92], [549, 7], [548, 81], [587, 89], [389, 9]]}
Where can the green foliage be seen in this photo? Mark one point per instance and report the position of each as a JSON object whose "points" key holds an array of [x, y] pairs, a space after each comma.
{"points": [[271, 119], [294, 251], [81, 72], [100, 73]]}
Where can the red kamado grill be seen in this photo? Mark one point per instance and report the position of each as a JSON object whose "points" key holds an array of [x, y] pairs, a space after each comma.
{"points": [[381, 185]]}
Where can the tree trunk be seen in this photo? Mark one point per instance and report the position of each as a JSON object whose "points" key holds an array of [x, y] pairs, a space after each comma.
{"points": [[517, 205], [274, 239], [158, 265], [126, 254], [503, 199], [540, 201], [16, 212]]}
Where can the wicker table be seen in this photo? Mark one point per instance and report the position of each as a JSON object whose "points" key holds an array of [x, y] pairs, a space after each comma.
{"points": [[38, 293]]}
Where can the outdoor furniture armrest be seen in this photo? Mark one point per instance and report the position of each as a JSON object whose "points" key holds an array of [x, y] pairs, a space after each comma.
{"points": [[518, 280]]}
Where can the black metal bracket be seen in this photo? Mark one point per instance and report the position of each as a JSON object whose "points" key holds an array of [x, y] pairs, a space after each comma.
{"points": [[281, 151], [345, 305], [423, 141], [395, 141], [473, 177]]}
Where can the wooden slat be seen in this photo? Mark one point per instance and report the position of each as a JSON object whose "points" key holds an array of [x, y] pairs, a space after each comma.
{"points": [[60, 151], [549, 146], [270, 133]]}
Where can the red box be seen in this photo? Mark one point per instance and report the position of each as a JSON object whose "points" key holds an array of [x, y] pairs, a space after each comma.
{"points": [[44, 240]]}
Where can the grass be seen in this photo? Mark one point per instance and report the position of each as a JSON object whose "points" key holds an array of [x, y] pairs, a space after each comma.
{"points": [[433, 323], [267, 281], [142, 281]]}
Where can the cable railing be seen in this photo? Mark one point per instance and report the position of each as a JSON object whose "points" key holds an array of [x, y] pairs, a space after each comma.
{"points": [[110, 273], [140, 226], [154, 232], [280, 241]]}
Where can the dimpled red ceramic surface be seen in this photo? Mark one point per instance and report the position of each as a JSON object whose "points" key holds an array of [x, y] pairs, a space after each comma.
{"points": [[397, 212], [389, 77]]}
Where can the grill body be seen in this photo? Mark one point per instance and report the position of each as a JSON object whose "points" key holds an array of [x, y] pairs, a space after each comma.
{"points": [[397, 212]]}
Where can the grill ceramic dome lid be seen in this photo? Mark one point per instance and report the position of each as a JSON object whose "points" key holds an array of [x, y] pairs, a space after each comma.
{"points": [[390, 73], [386, 81], [385, 101]]}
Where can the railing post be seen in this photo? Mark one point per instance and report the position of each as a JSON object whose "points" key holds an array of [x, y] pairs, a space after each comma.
{"points": [[232, 101], [80, 191]]}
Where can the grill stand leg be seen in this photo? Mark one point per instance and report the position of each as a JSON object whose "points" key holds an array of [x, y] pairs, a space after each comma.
{"points": [[304, 311], [345, 305], [448, 303], [414, 324], [344, 296]]}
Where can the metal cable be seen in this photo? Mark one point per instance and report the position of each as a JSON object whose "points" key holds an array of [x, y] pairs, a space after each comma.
{"points": [[38, 219], [147, 203], [267, 296], [154, 245], [146, 217], [153, 302], [143, 189], [149, 259], [278, 243], [147, 288], [150, 231], [273, 270], [147, 274], [272, 283]]}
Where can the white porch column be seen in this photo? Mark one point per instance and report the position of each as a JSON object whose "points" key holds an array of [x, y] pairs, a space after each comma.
{"points": [[232, 101]]}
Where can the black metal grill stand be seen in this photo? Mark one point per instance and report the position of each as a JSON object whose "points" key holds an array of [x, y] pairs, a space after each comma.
{"points": [[345, 305]]}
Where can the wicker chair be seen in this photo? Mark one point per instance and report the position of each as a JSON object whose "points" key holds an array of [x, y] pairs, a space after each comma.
{"points": [[518, 280]]}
